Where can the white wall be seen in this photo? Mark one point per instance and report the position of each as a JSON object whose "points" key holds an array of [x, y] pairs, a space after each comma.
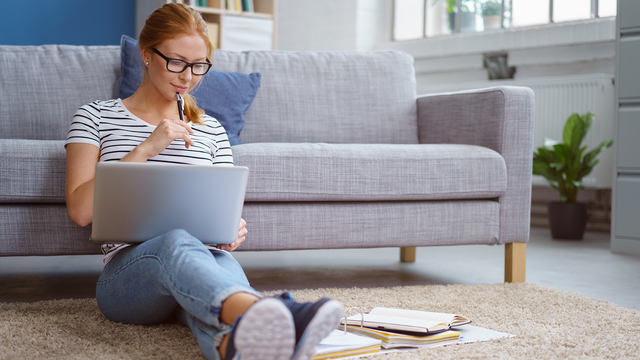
{"points": [[332, 25], [305, 25]]}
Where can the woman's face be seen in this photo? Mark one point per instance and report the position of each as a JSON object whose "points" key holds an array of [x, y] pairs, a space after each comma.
{"points": [[190, 48]]}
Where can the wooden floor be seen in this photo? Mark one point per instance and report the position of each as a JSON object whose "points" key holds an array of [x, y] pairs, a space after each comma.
{"points": [[585, 267]]}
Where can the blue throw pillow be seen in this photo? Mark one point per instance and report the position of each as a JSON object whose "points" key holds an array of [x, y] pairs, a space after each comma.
{"points": [[224, 95]]}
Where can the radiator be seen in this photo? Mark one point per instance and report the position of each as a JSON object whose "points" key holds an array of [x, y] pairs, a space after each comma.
{"points": [[556, 99]]}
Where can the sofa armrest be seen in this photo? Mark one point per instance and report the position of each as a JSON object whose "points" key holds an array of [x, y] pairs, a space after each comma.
{"points": [[499, 118]]}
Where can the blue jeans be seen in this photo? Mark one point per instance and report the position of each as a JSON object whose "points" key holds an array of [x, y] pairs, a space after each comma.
{"points": [[172, 273]]}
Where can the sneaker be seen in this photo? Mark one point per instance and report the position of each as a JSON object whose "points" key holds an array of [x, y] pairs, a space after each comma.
{"points": [[265, 332], [313, 322]]}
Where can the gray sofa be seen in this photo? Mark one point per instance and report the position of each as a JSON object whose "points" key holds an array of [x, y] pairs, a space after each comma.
{"points": [[342, 153]]}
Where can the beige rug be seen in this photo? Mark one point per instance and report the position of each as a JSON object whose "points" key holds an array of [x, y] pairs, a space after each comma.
{"points": [[548, 324]]}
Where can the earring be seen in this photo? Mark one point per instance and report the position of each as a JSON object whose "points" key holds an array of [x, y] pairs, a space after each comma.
{"points": [[147, 63]]}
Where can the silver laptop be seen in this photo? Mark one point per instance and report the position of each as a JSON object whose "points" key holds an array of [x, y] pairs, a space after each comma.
{"points": [[135, 202]]}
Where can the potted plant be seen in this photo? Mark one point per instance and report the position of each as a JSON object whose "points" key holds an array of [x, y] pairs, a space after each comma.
{"points": [[467, 16], [491, 14], [564, 165]]}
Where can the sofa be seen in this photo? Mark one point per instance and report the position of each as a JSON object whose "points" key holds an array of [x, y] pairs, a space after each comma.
{"points": [[342, 153]]}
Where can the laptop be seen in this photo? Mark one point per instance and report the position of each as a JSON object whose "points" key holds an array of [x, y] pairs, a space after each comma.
{"points": [[135, 202]]}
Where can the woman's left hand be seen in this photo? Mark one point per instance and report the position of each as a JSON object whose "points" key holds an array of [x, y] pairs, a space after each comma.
{"points": [[242, 232]]}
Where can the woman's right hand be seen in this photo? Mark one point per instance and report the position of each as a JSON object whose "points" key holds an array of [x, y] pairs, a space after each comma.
{"points": [[166, 132]]}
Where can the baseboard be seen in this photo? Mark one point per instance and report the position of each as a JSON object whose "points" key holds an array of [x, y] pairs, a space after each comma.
{"points": [[625, 246]]}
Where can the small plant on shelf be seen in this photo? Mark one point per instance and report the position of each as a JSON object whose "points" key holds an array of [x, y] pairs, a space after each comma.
{"points": [[491, 8]]}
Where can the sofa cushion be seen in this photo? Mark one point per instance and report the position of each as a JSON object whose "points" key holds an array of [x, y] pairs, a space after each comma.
{"points": [[370, 172], [43, 86], [34, 171], [332, 97], [224, 95]]}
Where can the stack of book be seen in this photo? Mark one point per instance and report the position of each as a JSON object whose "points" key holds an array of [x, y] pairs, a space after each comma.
{"points": [[240, 5], [387, 330], [405, 328]]}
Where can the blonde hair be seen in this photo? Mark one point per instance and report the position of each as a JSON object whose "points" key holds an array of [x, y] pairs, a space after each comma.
{"points": [[168, 22]]}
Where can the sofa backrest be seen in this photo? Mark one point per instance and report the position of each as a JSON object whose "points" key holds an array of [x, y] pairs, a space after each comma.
{"points": [[333, 97], [41, 87]]}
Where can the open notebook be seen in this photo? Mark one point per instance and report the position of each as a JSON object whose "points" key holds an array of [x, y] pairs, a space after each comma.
{"points": [[407, 320]]}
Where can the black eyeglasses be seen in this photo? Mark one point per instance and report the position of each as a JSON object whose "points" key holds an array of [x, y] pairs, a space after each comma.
{"points": [[178, 66]]}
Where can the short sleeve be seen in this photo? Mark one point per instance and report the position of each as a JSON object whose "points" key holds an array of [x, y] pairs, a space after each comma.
{"points": [[220, 146], [85, 126]]}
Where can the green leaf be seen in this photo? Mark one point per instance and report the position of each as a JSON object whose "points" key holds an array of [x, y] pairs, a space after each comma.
{"points": [[545, 155], [588, 162], [546, 171], [562, 153], [571, 127], [576, 128], [586, 169], [575, 167]]}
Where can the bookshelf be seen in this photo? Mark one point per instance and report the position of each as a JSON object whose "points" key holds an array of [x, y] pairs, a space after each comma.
{"points": [[237, 30]]}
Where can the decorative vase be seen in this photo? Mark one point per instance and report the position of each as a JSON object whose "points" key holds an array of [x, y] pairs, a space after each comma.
{"points": [[491, 22], [468, 21], [567, 221]]}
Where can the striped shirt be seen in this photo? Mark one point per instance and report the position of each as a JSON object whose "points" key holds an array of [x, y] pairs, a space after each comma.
{"points": [[116, 131]]}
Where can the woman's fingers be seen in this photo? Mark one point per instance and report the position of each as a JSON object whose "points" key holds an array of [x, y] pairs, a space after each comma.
{"points": [[187, 139], [242, 233], [165, 133], [178, 130]]}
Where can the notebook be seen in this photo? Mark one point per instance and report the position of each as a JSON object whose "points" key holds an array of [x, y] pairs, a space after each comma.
{"points": [[412, 321], [135, 202]]}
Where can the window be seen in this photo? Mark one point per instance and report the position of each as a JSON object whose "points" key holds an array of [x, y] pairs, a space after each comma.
{"points": [[408, 22], [416, 19]]}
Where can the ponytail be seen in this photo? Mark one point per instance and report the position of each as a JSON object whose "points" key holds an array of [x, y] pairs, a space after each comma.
{"points": [[191, 110]]}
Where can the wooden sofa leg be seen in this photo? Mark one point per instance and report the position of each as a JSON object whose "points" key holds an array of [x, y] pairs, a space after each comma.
{"points": [[515, 259], [408, 254]]}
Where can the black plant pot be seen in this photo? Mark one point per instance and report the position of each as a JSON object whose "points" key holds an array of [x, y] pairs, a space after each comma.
{"points": [[567, 220]]}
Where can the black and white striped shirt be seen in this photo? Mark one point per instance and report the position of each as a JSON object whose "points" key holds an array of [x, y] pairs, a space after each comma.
{"points": [[116, 131]]}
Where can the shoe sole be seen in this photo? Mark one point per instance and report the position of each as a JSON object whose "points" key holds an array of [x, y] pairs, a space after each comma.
{"points": [[324, 321], [266, 332]]}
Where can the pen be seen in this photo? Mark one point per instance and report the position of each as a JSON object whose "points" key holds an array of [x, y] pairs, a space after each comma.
{"points": [[180, 106]]}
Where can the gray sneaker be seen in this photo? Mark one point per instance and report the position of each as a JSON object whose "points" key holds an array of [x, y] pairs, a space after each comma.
{"points": [[313, 322], [265, 332]]}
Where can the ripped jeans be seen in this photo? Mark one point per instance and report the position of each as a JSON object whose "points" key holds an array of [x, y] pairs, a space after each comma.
{"points": [[172, 273]]}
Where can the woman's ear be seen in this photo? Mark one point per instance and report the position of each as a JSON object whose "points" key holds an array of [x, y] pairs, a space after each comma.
{"points": [[145, 56]]}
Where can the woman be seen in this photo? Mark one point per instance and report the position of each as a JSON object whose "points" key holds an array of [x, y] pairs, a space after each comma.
{"points": [[175, 274]]}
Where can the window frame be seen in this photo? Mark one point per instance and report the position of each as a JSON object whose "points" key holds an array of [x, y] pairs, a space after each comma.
{"points": [[594, 14]]}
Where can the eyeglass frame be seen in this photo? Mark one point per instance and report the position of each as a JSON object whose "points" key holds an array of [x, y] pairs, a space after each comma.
{"points": [[187, 64]]}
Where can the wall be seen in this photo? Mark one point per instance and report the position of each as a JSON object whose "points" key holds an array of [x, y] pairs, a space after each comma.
{"points": [[72, 22], [331, 25]]}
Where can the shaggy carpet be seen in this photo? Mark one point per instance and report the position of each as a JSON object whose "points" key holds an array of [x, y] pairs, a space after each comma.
{"points": [[547, 324]]}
